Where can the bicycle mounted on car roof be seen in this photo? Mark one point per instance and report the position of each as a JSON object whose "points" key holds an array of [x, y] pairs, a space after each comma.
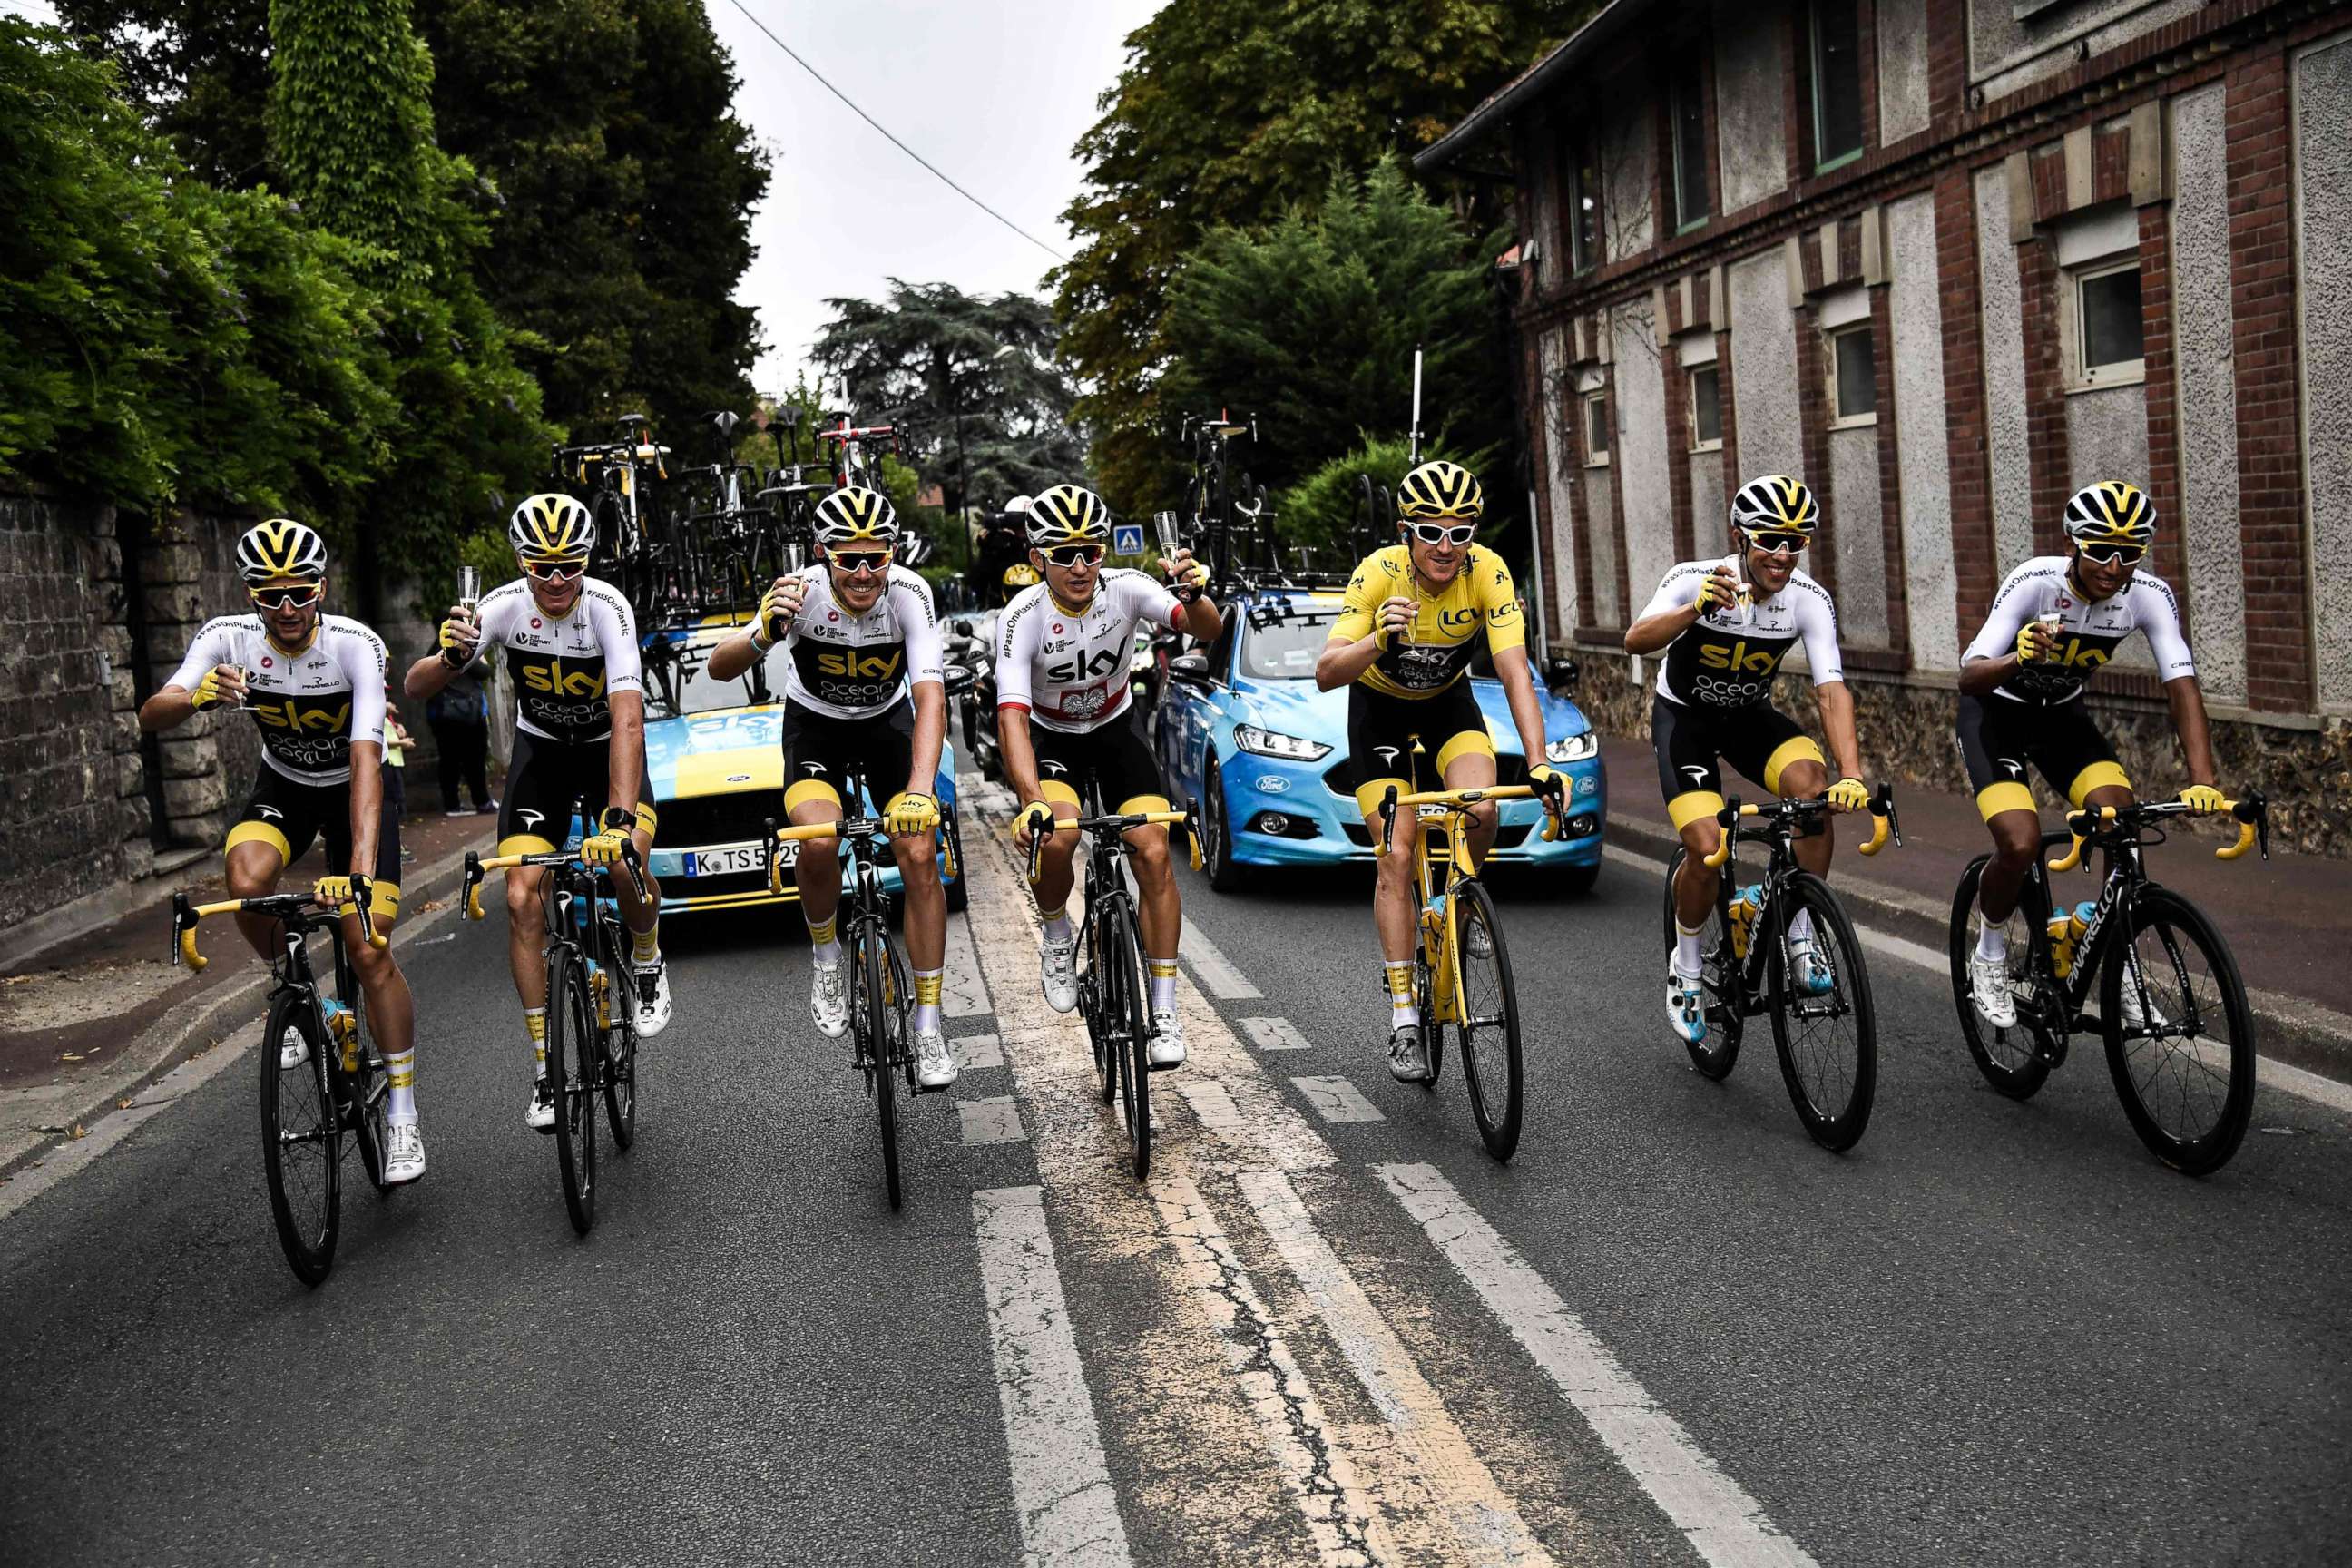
{"points": [[638, 549]]}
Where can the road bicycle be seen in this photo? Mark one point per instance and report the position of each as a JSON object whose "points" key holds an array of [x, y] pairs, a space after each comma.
{"points": [[311, 1096], [2166, 980], [1461, 969], [728, 536], [634, 550], [1112, 996], [882, 1044], [1223, 517], [1826, 1034], [592, 1008], [852, 463]]}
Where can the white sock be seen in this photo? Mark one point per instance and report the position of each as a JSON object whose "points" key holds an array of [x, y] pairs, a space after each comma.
{"points": [[1164, 984], [1801, 928], [1057, 926], [826, 952], [1992, 940], [1689, 962]]}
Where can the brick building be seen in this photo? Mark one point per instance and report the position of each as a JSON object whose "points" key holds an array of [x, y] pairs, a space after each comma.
{"points": [[1948, 260]]}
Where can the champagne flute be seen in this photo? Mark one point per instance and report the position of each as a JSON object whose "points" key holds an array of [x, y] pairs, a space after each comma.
{"points": [[469, 587]]}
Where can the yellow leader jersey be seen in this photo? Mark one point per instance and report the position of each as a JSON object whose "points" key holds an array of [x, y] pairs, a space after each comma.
{"points": [[1444, 626]]}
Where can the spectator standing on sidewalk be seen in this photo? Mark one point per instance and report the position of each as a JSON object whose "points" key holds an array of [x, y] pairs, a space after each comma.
{"points": [[459, 717], [396, 741]]}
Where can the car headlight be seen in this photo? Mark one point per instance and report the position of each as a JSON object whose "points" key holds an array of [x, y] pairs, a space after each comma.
{"points": [[1574, 749], [1274, 744]]}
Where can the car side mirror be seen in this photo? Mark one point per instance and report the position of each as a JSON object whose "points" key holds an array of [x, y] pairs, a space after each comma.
{"points": [[1562, 674], [1190, 666]]}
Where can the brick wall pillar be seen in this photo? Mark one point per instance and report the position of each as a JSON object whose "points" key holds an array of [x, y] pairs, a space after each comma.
{"points": [[1727, 402], [1813, 419], [2162, 388], [1617, 485], [1890, 471], [1678, 440], [1540, 450], [1974, 556], [2038, 282]]}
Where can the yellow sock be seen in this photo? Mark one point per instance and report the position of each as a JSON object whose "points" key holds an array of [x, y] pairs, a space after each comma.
{"points": [[644, 946], [927, 987], [1403, 1009], [820, 933], [400, 1071], [535, 1020]]}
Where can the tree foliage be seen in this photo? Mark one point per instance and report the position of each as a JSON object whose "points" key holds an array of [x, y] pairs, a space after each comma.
{"points": [[1229, 115], [1310, 324], [1320, 509], [931, 356]]}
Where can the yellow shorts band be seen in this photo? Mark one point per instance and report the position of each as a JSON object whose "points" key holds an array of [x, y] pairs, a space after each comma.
{"points": [[2006, 795], [1054, 792], [811, 791], [523, 844], [1135, 803], [649, 820], [383, 899], [257, 832], [1796, 749], [1692, 806], [2098, 775], [1368, 795], [1468, 743]]}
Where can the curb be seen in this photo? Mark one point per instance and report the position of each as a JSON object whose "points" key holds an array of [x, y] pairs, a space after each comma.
{"points": [[2290, 1029], [163, 1044]]}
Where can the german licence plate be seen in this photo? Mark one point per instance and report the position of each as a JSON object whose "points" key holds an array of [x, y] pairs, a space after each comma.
{"points": [[733, 860]]}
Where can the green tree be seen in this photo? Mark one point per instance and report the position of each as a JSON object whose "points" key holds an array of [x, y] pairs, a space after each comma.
{"points": [[1311, 324], [1322, 510], [935, 358], [1229, 115]]}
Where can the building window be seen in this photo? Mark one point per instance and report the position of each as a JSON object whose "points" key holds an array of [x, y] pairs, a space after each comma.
{"points": [[1689, 107], [1853, 376], [1581, 195], [1596, 428], [2101, 317], [1837, 84], [1705, 407]]}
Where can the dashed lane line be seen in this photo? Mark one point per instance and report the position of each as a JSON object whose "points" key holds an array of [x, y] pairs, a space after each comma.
{"points": [[1216, 974], [1723, 1522], [977, 1051], [1337, 1099], [1069, 1513], [1274, 1034], [962, 995], [996, 1119]]}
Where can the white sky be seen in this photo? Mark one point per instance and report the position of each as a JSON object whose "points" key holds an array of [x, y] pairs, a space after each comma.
{"points": [[994, 92]]}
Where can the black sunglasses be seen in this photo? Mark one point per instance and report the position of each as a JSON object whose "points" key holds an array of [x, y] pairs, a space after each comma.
{"points": [[2113, 554], [1073, 554], [1442, 533], [301, 598]]}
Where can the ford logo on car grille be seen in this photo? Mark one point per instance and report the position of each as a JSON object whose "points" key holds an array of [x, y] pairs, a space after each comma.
{"points": [[1272, 783]]}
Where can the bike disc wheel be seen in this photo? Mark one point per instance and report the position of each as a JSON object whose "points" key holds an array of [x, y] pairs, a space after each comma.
{"points": [[1719, 978], [620, 1074], [572, 1049], [302, 1142], [1135, 1060], [1828, 1043], [873, 1014], [1489, 1032], [2015, 1060], [2186, 1071]]}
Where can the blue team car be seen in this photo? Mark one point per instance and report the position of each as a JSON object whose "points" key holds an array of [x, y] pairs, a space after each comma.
{"points": [[1243, 731], [715, 760]]}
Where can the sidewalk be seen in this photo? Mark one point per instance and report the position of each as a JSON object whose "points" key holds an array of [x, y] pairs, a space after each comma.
{"points": [[89, 1021], [2288, 920]]}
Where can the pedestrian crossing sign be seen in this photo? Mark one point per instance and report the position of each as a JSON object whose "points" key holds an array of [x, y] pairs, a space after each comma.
{"points": [[1127, 539]]}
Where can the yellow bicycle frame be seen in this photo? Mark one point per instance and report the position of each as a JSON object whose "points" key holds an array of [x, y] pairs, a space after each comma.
{"points": [[1446, 812]]}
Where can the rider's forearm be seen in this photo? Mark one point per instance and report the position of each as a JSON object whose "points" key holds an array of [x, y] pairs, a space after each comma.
{"points": [[1340, 663], [367, 805], [1527, 713], [625, 767], [732, 658], [1836, 699], [1020, 760], [1652, 633], [1979, 676], [2187, 699], [427, 676], [167, 710], [930, 730], [1202, 622]]}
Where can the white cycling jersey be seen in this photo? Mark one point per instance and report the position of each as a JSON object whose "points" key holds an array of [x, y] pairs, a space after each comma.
{"points": [[849, 666], [1728, 657], [564, 669], [310, 706], [2088, 634], [1068, 669]]}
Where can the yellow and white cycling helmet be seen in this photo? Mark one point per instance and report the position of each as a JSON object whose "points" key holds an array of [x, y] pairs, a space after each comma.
{"points": [[1440, 489], [550, 527], [2111, 513], [1776, 503], [1069, 515], [853, 515], [278, 549]]}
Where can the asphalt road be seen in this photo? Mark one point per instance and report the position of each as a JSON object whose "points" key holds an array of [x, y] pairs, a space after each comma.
{"points": [[1672, 1331]]}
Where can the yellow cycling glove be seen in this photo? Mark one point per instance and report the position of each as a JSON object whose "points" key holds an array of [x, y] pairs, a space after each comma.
{"points": [[342, 894], [1849, 795], [2026, 652], [2204, 799], [460, 639], [211, 691], [778, 606], [913, 814], [603, 847], [1717, 592], [1035, 819]]}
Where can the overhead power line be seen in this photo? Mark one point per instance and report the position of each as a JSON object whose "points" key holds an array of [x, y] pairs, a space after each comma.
{"points": [[902, 147]]}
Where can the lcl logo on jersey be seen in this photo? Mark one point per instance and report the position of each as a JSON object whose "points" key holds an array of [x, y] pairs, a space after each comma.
{"points": [[553, 679], [1084, 667], [1761, 661], [869, 667], [1457, 617]]}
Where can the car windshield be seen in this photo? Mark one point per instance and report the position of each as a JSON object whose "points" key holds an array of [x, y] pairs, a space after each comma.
{"points": [[1286, 649]]}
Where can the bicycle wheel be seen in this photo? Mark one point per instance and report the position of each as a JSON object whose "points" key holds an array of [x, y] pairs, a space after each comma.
{"points": [[571, 1051], [2185, 1066], [1099, 1004], [2015, 1060], [620, 1071], [1488, 1033], [1719, 976], [870, 1008], [1135, 1058], [301, 1140], [363, 1098], [1828, 1042]]}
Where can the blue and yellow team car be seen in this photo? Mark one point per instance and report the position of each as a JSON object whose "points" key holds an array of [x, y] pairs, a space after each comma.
{"points": [[715, 760], [1243, 731]]}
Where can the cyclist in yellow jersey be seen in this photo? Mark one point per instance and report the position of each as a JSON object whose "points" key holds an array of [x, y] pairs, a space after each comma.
{"points": [[1402, 646]]}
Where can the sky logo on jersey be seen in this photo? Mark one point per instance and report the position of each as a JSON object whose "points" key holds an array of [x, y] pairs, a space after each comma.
{"points": [[1760, 661], [2074, 654], [551, 677], [303, 716], [870, 667], [1084, 667]]}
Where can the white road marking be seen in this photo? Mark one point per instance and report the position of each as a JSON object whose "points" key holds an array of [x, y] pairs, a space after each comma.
{"points": [[1337, 1099], [996, 1119], [1069, 1514], [978, 1051], [1218, 977], [1275, 1035], [1432, 1453], [964, 992], [1726, 1525], [1211, 1103]]}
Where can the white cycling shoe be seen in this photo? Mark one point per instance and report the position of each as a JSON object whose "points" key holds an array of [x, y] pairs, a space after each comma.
{"points": [[1687, 1005], [1057, 971], [1989, 981], [1408, 1058], [293, 1050], [1808, 972], [829, 998], [1167, 1048], [935, 1065], [653, 1000], [404, 1153], [540, 1117], [2138, 1012]]}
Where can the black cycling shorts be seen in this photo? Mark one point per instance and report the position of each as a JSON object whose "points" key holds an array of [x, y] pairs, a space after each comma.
{"points": [[822, 752], [1999, 738], [1382, 730], [549, 781], [1116, 756], [1757, 739], [288, 815]]}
